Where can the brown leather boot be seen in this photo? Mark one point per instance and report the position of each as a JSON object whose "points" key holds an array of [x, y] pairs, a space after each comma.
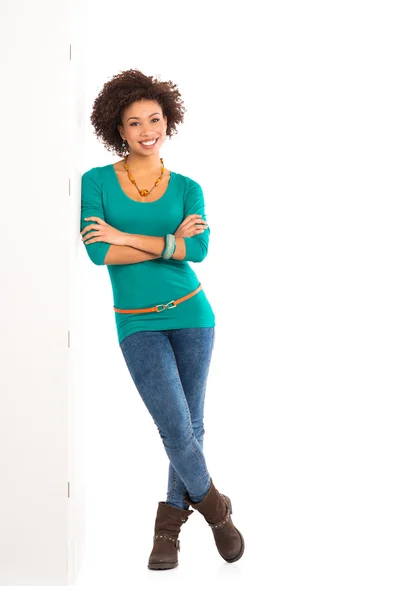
{"points": [[166, 544], [217, 509]]}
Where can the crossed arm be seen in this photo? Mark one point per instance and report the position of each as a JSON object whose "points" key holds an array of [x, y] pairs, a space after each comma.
{"points": [[139, 248]]}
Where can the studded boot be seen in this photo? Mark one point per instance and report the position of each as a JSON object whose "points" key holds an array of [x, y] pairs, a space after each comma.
{"points": [[166, 544], [217, 509]]}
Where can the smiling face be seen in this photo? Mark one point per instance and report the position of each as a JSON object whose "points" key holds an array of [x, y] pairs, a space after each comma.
{"points": [[143, 121]]}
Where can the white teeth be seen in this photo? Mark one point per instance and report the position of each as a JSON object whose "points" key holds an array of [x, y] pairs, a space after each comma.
{"points": [[148, 143]]}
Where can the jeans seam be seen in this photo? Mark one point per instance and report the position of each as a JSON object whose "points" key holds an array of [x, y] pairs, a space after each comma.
{"points": [[188, 414], [173, 486]]}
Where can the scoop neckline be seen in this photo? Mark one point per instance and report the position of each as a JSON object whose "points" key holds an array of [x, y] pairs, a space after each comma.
{"points": [[112, 166]]}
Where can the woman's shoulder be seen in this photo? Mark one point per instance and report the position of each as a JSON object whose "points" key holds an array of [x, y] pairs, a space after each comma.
{"points": [[93, 172], [188, 181], [98, 174]]}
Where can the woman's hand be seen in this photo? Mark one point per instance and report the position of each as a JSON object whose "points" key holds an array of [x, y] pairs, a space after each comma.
{"points": [[102, 232], [190, 226]]}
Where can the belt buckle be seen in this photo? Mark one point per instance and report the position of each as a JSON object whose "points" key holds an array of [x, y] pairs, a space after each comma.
{"points": [[164, 306]]}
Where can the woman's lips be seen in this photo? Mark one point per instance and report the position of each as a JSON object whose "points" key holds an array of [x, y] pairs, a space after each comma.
{"points": [[149, 146]]}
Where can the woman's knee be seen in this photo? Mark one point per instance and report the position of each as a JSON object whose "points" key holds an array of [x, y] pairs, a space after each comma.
{"points": [[199, 431], [177, 438]]}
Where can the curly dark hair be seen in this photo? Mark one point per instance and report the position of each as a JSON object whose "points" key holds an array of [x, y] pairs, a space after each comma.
{"points": [[123, 89]]}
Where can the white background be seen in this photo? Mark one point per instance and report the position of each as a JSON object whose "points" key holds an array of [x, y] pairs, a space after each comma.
{"points": [[291, 129]]}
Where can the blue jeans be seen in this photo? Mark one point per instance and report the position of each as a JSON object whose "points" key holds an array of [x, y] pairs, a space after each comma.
{"points": [[170, 369]]}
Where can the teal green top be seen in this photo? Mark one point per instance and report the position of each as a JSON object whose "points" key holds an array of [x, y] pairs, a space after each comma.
{"points": [[158, 281]]}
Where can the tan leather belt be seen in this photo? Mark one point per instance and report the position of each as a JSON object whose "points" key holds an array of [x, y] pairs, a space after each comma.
{"points": [[163, 306]]}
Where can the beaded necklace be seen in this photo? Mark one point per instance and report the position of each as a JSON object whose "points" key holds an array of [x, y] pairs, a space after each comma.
{"points": [[143, 192]]}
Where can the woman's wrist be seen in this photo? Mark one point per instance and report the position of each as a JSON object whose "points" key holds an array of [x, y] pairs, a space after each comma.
{"points": [[128, 239]]}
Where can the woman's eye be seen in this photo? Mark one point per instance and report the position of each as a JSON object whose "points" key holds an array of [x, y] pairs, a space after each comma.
{"points": [[136, 122]]}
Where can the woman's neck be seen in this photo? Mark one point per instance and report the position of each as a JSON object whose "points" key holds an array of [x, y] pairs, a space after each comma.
{"points": [[142, 165]]}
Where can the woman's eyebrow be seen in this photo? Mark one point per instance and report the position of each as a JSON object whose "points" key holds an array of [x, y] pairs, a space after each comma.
{"points": [[138, 117]]}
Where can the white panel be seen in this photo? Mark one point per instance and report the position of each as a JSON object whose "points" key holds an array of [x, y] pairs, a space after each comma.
{"points": [[39, 240]]}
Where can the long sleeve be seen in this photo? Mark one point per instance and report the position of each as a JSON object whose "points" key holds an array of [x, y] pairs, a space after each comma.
{"points": [[197, 245], [91, 206]]}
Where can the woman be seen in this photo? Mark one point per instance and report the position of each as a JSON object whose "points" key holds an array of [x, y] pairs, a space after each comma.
{"points": [[145, 222]]}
